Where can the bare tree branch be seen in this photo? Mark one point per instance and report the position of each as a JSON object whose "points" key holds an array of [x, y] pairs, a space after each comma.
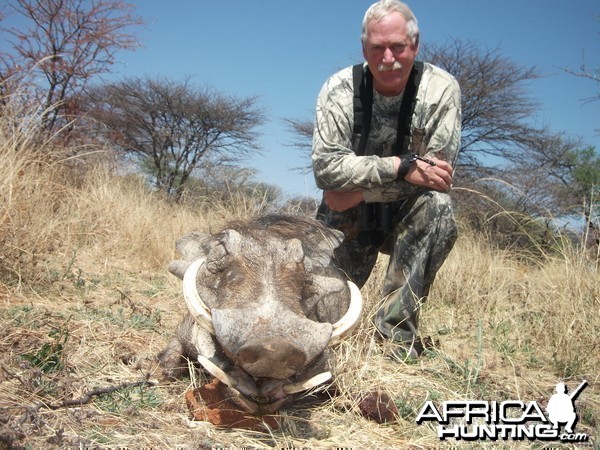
{"points": [[66, 43], [496, 107]]}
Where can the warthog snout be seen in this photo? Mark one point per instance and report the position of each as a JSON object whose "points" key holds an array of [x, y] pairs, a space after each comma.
{"points": [[266, 346]]}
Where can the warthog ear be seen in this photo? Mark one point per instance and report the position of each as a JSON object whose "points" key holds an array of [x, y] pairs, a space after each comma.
{"points": [[191, 246], [178, 268], [321, 250]]}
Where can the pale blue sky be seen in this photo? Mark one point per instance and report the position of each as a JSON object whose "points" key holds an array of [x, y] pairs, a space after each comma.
{"points": [[282, 51]]}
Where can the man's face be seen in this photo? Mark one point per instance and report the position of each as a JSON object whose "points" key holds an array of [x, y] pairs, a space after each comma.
{"points": [[390, 53]]}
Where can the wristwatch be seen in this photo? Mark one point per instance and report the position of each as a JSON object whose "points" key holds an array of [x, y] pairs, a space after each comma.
{"points": [[407, 161], [404, 167]]}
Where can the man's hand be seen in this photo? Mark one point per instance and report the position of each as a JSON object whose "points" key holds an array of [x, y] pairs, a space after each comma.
{"points": [[341, 201], [438, 177]]}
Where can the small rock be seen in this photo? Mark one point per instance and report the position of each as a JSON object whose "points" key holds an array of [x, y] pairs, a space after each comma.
{"points": [[210, 403], [378, 406]]}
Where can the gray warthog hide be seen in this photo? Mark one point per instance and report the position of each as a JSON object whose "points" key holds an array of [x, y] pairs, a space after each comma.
{"points": [[265, 304]]}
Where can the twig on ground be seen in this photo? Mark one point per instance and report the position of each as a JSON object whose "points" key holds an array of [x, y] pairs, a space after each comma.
{"points": [[32, 411], [87, 397]]}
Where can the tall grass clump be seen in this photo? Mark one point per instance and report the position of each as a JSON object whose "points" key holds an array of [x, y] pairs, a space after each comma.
{"points": [[535, 289], [534, 315], [55, 206], [32, 188]]}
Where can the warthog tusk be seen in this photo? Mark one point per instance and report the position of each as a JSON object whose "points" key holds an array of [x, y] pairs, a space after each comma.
{"points": [[217, 372], [246, 389], [307, 384], [196, 306], [233, 383], [350, 320], [225, 378]]}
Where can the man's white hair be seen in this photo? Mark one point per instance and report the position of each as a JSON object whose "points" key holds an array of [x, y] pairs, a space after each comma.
{"points": [[382, 8]]}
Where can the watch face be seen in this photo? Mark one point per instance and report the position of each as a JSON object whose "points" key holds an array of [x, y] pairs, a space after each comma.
{"points": [[404, 166]]}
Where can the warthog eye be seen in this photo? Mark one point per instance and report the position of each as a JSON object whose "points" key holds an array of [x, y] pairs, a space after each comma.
{"points": [[261, 399]]}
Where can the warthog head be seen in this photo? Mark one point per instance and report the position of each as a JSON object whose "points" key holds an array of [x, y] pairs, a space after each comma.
{"points": [[265, 303]]}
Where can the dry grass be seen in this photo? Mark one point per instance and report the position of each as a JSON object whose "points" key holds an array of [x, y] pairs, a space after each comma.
{"points": [[86, 303]]}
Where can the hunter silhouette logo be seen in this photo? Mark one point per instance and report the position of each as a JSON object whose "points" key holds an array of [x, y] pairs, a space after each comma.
{"points": [[510, 419], [561, 407]]}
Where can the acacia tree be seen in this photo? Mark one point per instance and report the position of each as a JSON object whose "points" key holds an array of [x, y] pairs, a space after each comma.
{"points": [[495, 106], [63, 45], [559, 175], [589, 73], [302, 133], [172, 127]]}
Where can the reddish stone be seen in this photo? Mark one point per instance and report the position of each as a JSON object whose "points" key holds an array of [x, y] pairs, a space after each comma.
{"points": [[379, 407], [210, 403]]}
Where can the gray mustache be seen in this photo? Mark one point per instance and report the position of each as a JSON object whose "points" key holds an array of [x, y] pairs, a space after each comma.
{"points": [[384, 68]]}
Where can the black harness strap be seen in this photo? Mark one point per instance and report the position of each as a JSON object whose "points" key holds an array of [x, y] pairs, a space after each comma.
{"points": [[363, 105], [407, 108]]}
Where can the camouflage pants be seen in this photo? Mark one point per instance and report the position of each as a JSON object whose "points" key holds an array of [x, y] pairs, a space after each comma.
{"points": [[423, 231]]}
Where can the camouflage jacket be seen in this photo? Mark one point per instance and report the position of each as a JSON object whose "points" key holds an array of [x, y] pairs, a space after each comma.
{"points": [[435, 130]]}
